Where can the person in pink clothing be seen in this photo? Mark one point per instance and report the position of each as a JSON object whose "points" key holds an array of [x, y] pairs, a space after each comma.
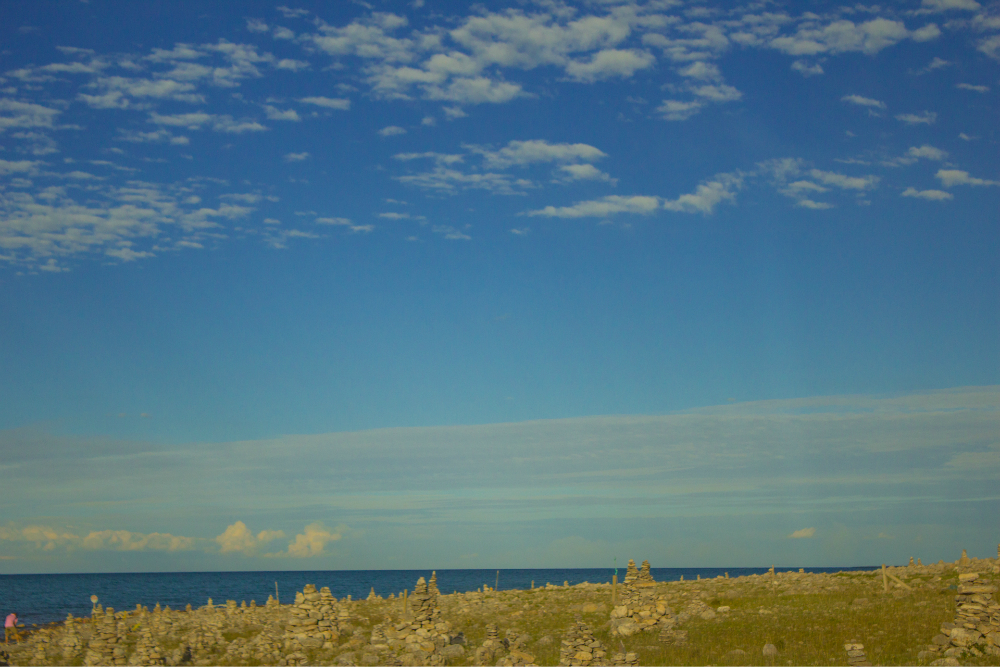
{"points": [[10, 628]]}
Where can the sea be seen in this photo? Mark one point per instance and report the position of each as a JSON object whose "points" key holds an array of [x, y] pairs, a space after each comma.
{"points": [[39, 599]]}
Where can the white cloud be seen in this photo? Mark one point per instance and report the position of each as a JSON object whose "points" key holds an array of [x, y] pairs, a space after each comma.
{"points": [[25, 114], [927, 152], [678, 110], [277, 114], [586, 172], [803, 533], [442, 158], [18, 166], [863, 101], [311, 542], [845, 182], [296, 157], [843, 36], [292, 65], [429, 121], [807, 69], [537, 150], [947, 5], [609, 63], [968, 86], [701, 70], [443, 179], [809, 203], [924, 118], [282, 32], [391, 131], [451, 233], [717, 93], [256, 25], [951, 177], [191, 121], [237, 537], [328, 102], [124, 540], [474, 90], [604, 207], [454, 112], [707, 195], [932, 195], [345, 222]]}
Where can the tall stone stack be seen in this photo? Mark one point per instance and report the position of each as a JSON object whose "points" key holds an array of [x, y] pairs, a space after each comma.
{"points": [[312, 624], [975, 628], [433, 584], [147, 650], [644, 578], [492, 649], [40, 645], [426, 634], [639, 608], [69, 645], [103, 638], [631, 573], [579, 647]]}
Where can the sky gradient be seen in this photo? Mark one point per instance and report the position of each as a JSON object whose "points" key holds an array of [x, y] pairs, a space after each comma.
{"points": [[406, 284]]}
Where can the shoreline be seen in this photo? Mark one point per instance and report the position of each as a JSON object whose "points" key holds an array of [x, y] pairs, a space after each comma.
{"points": [[649, 622]]}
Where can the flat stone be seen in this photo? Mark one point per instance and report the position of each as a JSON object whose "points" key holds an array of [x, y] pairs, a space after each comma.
{"points": [[769, 650]]}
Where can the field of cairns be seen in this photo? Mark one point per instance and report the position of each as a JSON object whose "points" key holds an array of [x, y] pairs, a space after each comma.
{"points": [[918, 614]]}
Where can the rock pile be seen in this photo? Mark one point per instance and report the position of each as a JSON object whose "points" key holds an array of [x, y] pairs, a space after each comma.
{"points": [[103, 648], [427, 634], [644, 577], [69, 645], [492, 649], [147, 650], [579, 647], [975, 628], [314, 621], [856, 655], [631, 573], [641, 610]]}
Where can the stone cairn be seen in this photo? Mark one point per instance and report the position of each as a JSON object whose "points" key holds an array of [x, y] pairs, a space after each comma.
{"points": [[103, 648], [640, 609], [69, 645], [426, 634], [975, 628], [314, 620], [856, 655], [492, 649], [147, 650], [579, 647]]}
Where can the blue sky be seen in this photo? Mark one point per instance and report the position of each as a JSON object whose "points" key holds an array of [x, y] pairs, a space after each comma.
{"points": [[244, 239]]}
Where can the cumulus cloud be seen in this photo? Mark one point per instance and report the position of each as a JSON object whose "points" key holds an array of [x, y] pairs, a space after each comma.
{"points": [[951, 177], [585, 172], [803, 533], [391, 131], [948, 5], [339, 103], [310, 542], [845, 182], [237, 537], [923, 118], [274, 113], [296, 157], [863, 101], [679, 110], [707, 195], [25, 114], [931, 195], [537, 150], [927, 152], [600, 208], [843, 36], [47, 538], [610, 63], [807, 69]]}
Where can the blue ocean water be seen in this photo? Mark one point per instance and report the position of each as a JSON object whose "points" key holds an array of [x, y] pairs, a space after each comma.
{"points": [[45, 598]]}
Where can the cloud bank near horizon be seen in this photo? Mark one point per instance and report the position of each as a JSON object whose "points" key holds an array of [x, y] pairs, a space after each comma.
{"points": [[568, 492]]}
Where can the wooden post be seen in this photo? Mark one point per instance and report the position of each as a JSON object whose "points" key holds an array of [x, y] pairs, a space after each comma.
{"points": [[615, 591], [533, 584], [886, 584], [404, 601], [726, 575], [497, 580], [276, 593]]}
